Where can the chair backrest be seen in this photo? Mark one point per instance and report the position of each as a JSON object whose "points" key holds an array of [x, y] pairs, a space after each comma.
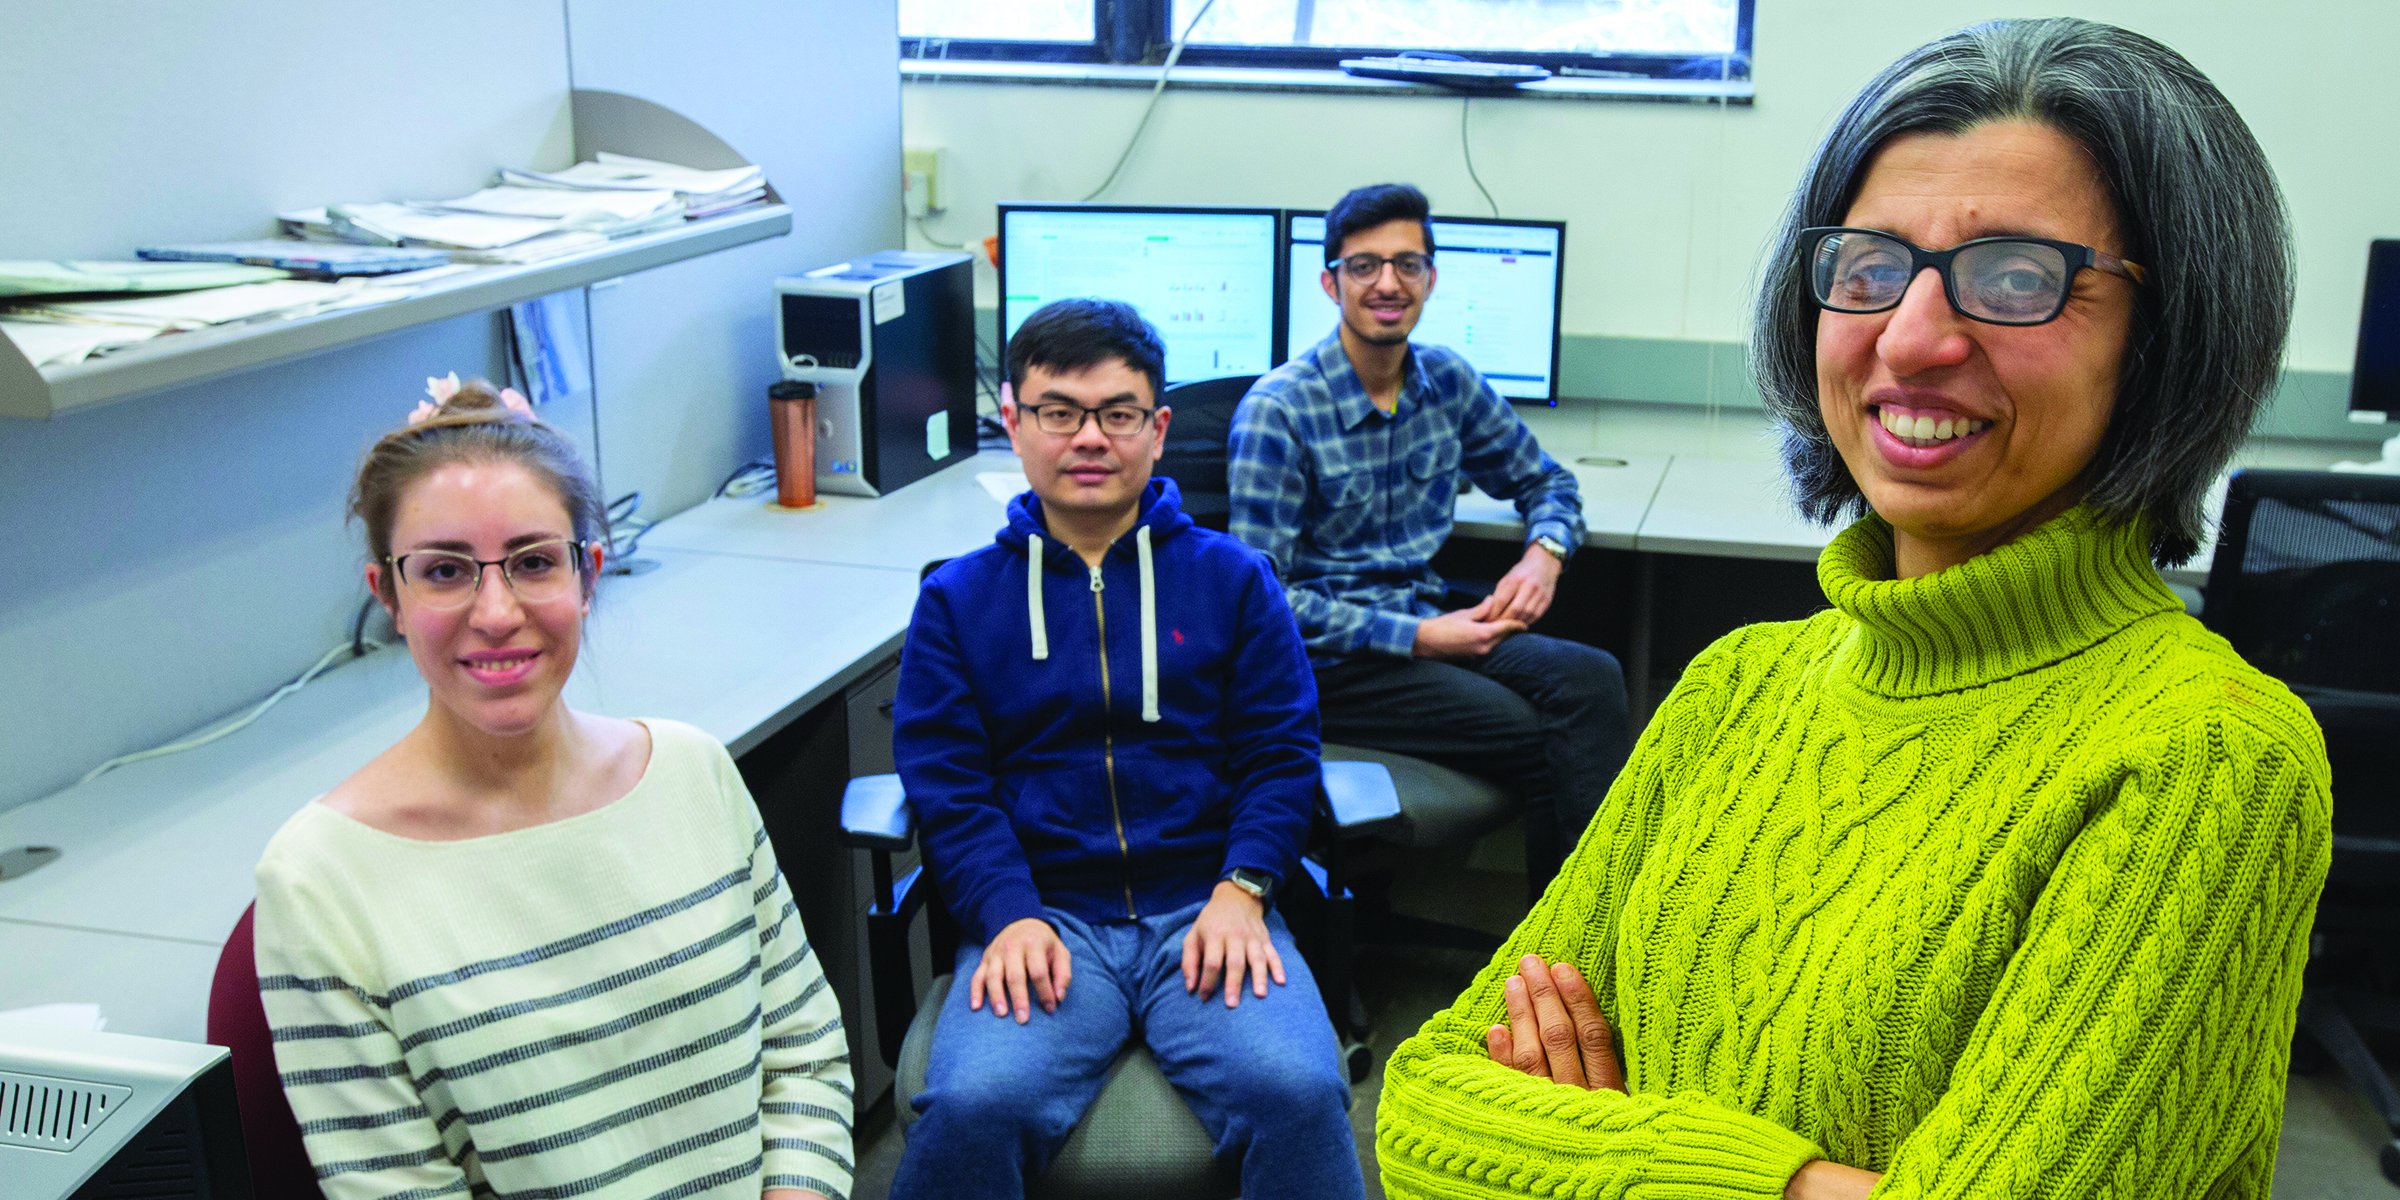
{"points": [[2306, 580], [2306, 585], [1195, 456], [237, 1020]]}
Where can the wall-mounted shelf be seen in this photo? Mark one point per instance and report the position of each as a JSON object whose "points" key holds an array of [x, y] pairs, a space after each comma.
{"points": [[603, 121]]}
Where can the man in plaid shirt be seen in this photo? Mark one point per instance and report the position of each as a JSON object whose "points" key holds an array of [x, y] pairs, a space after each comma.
{"points": [[1344, 469]]}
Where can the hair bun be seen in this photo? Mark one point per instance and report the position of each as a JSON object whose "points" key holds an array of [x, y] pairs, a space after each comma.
{"points": [[473, 396]]}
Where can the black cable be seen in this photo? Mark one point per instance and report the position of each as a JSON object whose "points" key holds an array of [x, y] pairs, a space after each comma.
{"points": [[1467, 149], [622, 509], [358, 628]]}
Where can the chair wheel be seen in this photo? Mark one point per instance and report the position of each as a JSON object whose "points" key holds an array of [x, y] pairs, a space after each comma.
{"points": [[2390, 1161], [1360, 1061]]}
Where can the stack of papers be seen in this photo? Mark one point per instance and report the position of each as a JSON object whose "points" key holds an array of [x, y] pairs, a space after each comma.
{"points": [[47, 345], [699, 192], [61, 332], [216, 306], [594, 212], [394, 224], [61, 278], [531, 216]]}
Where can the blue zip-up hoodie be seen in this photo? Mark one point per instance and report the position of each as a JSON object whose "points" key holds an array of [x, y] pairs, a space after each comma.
{"points": [[1111, 781]]}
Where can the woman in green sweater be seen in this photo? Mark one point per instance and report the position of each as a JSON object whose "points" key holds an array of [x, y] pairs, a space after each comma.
{"points": [[1995, 879]]}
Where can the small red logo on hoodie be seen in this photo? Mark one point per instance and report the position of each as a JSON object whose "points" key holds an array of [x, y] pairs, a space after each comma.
{"points": [[1178, 636]]}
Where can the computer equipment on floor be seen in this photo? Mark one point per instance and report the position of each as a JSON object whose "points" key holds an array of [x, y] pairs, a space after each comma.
{"points": [[103, 1116]]}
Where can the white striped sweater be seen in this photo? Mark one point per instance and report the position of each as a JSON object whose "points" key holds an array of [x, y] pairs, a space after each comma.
{"points": [[618, 1006]]}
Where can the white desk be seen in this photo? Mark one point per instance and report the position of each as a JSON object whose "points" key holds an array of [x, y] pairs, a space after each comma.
{"points": [[946, 515], [1731, 508], [1615, 499]]}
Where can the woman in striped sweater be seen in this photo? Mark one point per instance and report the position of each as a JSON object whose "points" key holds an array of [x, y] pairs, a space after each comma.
{"points": [[530, 951], [1995, 879]]}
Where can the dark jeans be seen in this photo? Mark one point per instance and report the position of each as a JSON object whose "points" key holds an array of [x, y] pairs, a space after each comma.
{"points": [[1264, 1078], [1542, 717]]}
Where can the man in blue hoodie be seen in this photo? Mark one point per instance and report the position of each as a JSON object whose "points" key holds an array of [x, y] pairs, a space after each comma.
{"points": [[1107, 727]]}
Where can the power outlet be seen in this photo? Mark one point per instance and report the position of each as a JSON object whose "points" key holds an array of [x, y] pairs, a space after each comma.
{"points": [[931, 165]]}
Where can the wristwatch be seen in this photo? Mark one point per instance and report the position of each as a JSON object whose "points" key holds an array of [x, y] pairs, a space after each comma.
{"points": [[1259, 884], [1557, 548]]}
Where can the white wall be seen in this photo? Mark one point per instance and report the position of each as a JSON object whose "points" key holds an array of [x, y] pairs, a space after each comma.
{"points": [[169, 559], [810, 92], [1669, 205]]}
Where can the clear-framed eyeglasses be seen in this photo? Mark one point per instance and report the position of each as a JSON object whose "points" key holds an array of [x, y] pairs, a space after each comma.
{"points": [[1411, 266], [1996, 280], [539, 573], [1066, 420]]}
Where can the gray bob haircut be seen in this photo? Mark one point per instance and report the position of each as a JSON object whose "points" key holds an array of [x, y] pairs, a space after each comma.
{"points": [[2195, 201]]}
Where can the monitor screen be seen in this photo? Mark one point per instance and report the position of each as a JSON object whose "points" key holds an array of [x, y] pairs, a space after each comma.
{"points": [[1495, 297], [2375, 380], [1205, 277]]}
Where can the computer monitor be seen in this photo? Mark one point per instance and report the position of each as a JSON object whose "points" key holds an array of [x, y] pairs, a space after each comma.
{"points": [[2375, 376], [1206, 277], [87, 1115], [1495, 298]]}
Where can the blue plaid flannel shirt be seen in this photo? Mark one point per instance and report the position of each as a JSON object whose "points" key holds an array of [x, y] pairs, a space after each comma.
{"points": [[1351, 504]]}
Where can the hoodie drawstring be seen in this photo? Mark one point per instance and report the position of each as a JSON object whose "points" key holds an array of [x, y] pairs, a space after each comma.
{"points": [[1041, 632], [1033, 597], [1141, 544]]}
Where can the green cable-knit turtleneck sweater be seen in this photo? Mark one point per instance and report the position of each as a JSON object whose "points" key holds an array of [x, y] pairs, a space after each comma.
{"points": [[1996, 881]]}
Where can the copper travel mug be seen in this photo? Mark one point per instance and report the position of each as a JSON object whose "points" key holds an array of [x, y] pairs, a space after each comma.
{"points": [[794, 408]]}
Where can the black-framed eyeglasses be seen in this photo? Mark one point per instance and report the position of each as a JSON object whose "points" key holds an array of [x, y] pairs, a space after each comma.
{"points": [[1996, 280], [1066, 420], [1412, 266], [541, 572]]}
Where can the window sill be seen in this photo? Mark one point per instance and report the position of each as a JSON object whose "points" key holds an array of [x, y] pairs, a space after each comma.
{"points": [[1279, 79]]}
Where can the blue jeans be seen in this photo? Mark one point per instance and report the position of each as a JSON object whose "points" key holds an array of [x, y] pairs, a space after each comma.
{"points": [[1264, 1078]]}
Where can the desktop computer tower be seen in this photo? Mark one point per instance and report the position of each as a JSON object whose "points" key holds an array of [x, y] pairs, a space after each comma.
{"points": [[889, 342]]}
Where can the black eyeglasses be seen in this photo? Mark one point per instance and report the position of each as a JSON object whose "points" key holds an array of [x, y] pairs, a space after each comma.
{"points": [[1996, 280], [1411, 265], [1066, 420]]}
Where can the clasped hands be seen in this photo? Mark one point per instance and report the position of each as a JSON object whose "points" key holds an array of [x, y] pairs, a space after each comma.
{"points": [[1516, 602], [1026, 962], [1555, 1032]]}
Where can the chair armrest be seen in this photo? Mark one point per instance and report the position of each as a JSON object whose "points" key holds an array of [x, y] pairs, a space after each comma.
{"points": [[875, 814], [1360, 795]]}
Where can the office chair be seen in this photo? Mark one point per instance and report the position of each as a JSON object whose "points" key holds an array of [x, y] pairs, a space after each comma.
{"points": [[1439, 806], [237, 1020], [1138, 1137], [1195, 456], [2306, 586]]}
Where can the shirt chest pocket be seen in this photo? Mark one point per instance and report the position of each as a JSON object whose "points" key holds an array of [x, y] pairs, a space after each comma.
{"points": [[1433, 477], [1348, 508]]}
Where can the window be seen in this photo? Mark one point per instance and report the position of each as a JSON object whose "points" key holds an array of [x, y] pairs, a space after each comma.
{"points": [[1654, 39]]}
